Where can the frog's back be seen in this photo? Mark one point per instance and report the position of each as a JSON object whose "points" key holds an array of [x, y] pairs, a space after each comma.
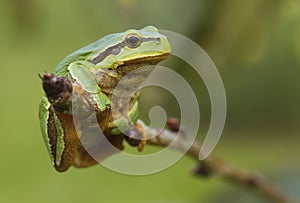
{"points": [[82, 54]]}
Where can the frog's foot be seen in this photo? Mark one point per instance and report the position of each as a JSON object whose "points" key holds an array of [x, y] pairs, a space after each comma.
{"points": [[135, 137]]}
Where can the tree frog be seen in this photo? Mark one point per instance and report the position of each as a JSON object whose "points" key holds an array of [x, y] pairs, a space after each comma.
{"points": [[94, 71]]}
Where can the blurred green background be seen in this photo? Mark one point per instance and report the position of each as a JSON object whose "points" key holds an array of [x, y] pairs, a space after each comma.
{"points": [[255, 45]]}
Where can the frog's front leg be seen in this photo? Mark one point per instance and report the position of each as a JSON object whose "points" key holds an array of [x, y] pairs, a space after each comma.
{"points": [[136, 136], [82, 73]]}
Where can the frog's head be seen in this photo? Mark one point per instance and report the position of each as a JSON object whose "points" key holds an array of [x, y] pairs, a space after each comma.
{"points": [[133, 47]]}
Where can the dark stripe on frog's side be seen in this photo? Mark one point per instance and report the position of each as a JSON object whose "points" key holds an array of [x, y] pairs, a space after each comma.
{"points": [[116, 49]]}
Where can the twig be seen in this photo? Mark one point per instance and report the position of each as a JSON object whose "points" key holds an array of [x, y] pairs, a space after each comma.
{"points": [[213, 165]]}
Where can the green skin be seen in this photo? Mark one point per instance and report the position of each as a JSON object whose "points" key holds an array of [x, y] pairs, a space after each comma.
{"points": [[112, 57]]}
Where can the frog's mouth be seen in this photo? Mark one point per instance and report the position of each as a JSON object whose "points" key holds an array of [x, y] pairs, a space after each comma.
{"points": [[145, 63]]}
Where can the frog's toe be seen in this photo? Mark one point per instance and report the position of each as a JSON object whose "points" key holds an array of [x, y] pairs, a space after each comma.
{"points": [[135, 138]]}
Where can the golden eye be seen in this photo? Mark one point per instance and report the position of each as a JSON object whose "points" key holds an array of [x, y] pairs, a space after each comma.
{"points": [[133, 40]]}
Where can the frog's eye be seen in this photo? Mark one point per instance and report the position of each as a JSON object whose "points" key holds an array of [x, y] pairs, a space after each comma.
{"points": [[133, 40]]}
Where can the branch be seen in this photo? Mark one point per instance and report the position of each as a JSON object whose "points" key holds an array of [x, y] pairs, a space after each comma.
{"points": [[213, 165]]}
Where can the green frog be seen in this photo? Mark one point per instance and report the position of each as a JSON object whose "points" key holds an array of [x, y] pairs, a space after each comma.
{"points": [[93, 72]]}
